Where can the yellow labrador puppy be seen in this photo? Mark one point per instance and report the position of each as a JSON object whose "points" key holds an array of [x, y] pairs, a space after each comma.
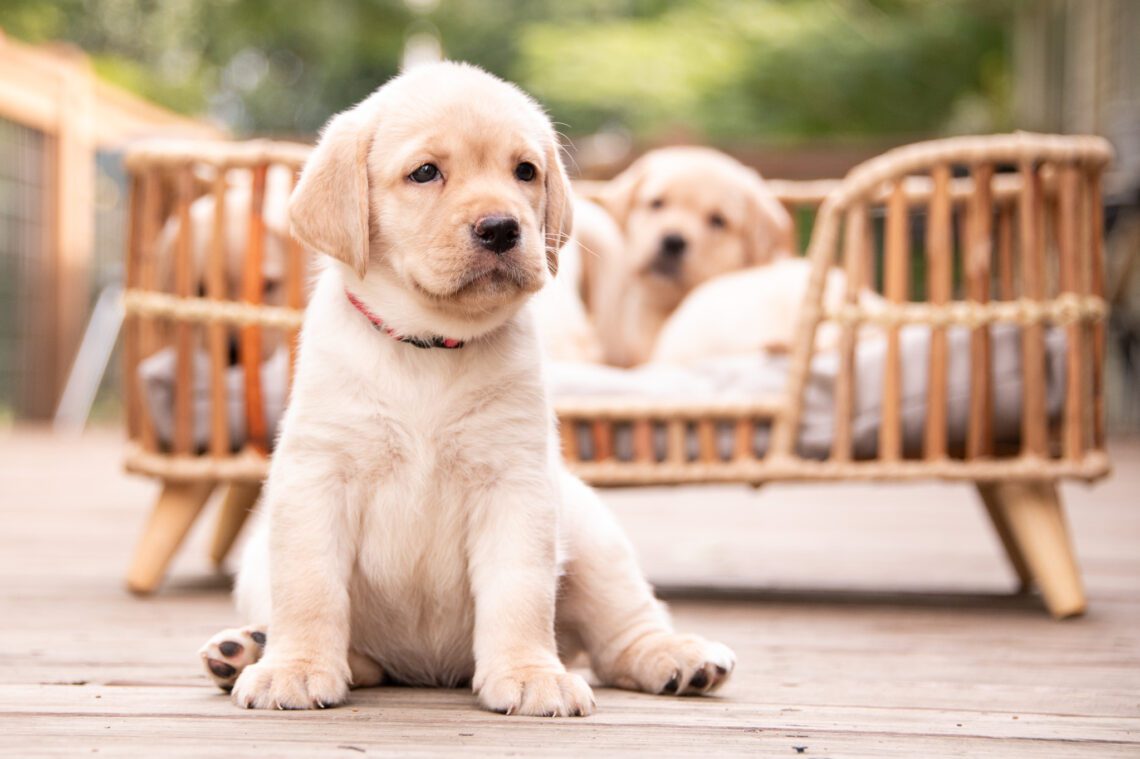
{"points": [[688, 214], [419, 524]]}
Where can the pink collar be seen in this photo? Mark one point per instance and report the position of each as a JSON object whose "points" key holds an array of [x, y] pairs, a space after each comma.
{"points": [[434, 341]]}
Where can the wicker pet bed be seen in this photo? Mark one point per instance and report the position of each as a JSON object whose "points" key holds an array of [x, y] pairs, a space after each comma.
{"points": [[971, 233]]}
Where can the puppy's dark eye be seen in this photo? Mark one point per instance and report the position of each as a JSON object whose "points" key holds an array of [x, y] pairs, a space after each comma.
{"points": [[525, 171], [657, 203], [717, 221], [425, 173]]}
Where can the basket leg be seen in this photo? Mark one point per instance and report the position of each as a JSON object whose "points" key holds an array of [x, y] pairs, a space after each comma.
{"points": [[1028, 517], [175, 511], [236, 507], [990, 493]]}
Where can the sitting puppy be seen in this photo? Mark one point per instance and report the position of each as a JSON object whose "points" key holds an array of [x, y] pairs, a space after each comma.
{"points": [[688, 214], [420, 526]]}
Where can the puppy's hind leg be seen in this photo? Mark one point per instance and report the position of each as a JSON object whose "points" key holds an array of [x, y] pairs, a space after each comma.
{"points": [[607, 602]]}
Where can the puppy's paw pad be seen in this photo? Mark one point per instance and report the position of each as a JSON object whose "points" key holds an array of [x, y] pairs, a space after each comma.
{"points": [[290, 685], [229, 652], [538, 692], [673, 664]]}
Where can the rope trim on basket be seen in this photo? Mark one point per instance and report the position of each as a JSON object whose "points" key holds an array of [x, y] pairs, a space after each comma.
{"points": [[1068, 308], [166, 306]]}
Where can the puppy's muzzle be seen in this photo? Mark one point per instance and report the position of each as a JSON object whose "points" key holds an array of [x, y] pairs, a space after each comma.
{"points": [[668, 258], [497, 234]]}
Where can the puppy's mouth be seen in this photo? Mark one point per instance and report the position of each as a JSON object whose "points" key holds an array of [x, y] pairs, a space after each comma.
{"points": [[667, 267], [500, 278]]}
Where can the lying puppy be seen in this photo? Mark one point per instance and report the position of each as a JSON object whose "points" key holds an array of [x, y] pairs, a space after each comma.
{"points": [[688, 215], [420, 525], [753, 310]]}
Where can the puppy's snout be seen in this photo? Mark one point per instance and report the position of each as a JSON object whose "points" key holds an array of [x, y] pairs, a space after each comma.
{"points": [[673, 245], [497, 233]]}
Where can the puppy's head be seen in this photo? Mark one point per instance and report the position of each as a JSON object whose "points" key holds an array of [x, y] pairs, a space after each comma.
{"points": [[692, 213], [445, 185]]}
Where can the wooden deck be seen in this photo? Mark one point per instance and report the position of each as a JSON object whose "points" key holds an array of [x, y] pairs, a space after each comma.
{"points": [[868, 621]]}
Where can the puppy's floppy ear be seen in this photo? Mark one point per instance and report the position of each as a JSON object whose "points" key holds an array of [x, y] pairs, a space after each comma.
{"points": [[330, 207], [559, 215], [769, 232], [619, 194]]}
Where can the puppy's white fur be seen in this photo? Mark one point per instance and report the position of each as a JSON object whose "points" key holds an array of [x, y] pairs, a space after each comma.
{"points": [[723, 212], [749, 311], [420, 524]]}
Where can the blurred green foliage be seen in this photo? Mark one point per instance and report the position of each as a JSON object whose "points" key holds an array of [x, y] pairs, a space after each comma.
{"points": [[719, 70]]}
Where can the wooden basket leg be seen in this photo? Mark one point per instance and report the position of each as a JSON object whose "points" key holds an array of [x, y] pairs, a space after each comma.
{"points": [[178, 506], [1029, 518], [991, 498], [236, 507]]}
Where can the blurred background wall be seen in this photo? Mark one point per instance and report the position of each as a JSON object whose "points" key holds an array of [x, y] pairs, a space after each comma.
{"points": [[798, 88]]}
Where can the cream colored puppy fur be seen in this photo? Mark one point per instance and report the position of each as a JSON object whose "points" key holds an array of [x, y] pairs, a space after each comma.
{"points": [[749, 311], [688, 214], [420, 526]]}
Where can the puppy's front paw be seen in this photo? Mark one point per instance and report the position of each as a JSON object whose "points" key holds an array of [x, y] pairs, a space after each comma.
{"points": [[673, 664], [537, 692], [229, 652], [290, 684]]}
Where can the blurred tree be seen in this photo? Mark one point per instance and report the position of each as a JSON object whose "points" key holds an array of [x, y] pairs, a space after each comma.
{"points": [[723, 70]]}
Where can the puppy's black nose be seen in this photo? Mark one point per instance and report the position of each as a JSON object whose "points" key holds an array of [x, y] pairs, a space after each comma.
{"points": [[497, 233], [673, 244]]}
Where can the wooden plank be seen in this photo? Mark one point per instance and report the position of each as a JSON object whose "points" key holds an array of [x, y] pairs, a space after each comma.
{"points": [[253, 285], [1068, 244], [978, 255], [916, 649], [217, 333], [896, 290], [1097, 287], [1033, 416], [938, 252], [183, 442], [854, 255]]}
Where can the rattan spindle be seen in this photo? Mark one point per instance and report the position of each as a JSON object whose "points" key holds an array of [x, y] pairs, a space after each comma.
{"points": [[569, 440], [1068, 242], [217, 333], [643, 440], [675, 442], [1095, 244], [1033, 416], [896, 276], [939, 272], [706, 440], [253, 285], [854, 253], [131, 357], [183, 442], [1005, 260], [978, 267], [743, 433], [603, 431], [147, 278], [294, 285]]}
